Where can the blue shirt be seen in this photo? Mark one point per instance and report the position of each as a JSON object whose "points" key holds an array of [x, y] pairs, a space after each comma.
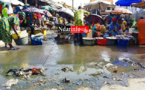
{"points": [[112, 27]]}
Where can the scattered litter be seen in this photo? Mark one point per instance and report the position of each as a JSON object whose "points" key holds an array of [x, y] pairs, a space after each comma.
{"points": [[108, 65], [19, 73], [40, 83], [36, 71], [105, 82], [25, 73], [9, 83], [105, 77], [57, 73], [121, 63], [66, 69], [22, 72], [66, 80], [140, 65], [58, 83], [115, 71], [117, 79], [97, 73]]}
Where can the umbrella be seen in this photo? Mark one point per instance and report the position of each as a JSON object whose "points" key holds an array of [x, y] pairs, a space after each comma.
{"points": [[47, 1], [48, 13], [126, 2], [66, 13], [13, 2], [139, 5], [49, 8], [122, 11], [99, 4], [56, 6], [34, 10], [92, 18]]}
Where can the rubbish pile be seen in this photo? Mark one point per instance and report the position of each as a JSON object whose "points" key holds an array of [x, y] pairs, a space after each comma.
{"points": [[9, 83], [127, 63], [24, 73], [66, 69]]}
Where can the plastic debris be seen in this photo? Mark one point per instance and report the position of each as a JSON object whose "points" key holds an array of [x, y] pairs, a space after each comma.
{"points": [[66, 69], [9, 83], [66, 80]]}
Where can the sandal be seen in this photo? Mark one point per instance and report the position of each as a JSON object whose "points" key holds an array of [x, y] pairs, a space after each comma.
{"points": [[13, 48], [6, 46]]}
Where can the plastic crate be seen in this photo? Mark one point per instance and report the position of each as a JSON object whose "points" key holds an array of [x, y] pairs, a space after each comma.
{"points": [[121, 42], [102, 42], [111, 41], [36, 42]]}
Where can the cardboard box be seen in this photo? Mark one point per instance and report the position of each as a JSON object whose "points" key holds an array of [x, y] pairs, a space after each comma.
{"points": [[90, 33]]}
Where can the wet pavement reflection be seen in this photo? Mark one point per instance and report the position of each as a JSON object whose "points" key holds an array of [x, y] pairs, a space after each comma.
{"points": [[83, 60]]}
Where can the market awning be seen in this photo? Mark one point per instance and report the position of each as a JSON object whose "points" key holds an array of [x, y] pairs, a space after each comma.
{"points": [[139, 5], [13, 2]]}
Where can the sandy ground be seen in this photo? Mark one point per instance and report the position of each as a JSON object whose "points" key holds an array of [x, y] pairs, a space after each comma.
{"points": [[134, 84], [2, 47]]}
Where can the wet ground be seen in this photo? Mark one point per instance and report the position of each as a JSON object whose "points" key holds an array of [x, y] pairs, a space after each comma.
{"points": [[92, 65]]}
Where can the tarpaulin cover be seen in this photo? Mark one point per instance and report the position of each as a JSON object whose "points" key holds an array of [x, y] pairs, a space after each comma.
{"points": [[127, 2], [120, 63]]}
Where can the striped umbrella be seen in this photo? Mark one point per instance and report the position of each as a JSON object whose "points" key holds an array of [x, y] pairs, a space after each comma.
{"points": [[122, 11], [34, 10]]}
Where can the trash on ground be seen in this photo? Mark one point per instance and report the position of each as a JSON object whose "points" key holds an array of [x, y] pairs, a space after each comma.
{"points": [[25, 73], [66, 80], [121, 63], [9, 83], [40, 83], [97, 73], [115, 71], [105, 82], [66, 69]]}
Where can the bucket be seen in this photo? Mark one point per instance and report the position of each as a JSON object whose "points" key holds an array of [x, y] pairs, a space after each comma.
{"points": [[44, 32], [89, 41], [21, 41]]}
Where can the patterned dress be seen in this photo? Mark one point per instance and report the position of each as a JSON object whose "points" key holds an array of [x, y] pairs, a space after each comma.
{"points": [[79, 17], [6, 25]]}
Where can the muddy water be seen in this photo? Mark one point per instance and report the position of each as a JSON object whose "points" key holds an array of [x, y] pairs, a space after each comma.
{"points": [[82, 60]]}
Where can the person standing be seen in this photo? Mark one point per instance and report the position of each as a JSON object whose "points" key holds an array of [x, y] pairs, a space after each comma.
{"points": [[114, 28], [79, 21], [21, 13], [26, 23], [5, 11], [7, 24]]}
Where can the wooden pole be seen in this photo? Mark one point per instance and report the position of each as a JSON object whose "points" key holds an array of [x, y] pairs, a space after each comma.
{"points": [[72, 4], [25, 2]]}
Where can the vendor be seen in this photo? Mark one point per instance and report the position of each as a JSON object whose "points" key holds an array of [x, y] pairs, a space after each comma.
{"points": [[114, 28], [5, 11], [134, 23], [7, 24], [121, 25], [26, 23], [96, 30], [21, 13]]}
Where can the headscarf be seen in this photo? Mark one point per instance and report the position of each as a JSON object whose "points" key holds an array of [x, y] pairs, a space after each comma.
{"points": [[134, 23], [124, 22], [141, 18], [22, 14], [113, 19]]}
